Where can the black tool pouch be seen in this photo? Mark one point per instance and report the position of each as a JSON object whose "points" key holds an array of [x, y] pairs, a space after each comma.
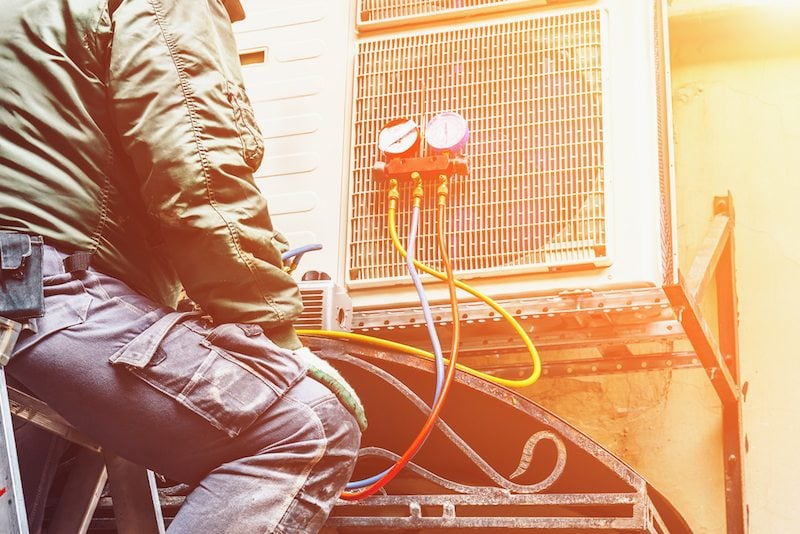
{"points": [[21, 293]]}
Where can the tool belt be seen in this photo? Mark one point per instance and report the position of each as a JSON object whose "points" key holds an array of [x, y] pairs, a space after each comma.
{"points": [[21, 290]]}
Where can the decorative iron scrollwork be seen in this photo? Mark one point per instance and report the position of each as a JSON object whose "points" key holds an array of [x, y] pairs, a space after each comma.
{"points": [[503, 482]]}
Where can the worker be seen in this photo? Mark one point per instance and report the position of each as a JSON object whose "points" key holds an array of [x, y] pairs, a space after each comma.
{"points": [[128, 143]]}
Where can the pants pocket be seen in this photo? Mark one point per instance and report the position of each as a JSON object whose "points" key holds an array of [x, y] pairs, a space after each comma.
{"points": [[66, 305], [229, 375]]}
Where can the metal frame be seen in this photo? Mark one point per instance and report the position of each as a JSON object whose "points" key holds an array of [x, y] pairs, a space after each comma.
{"points": [[715, 261], [13, 518], [136, 506], [506, 504]]}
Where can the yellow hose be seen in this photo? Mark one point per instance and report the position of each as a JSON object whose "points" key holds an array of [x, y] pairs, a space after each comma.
{"points": [[535, 359]]}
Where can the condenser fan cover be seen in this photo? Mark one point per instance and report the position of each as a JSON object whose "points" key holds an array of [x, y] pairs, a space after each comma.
{"points": [[531, 89]]}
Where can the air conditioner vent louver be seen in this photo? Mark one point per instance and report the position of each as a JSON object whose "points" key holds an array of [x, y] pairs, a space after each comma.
{"points": [[312, 316], [387, 12], [326, 306], [531, 91]]}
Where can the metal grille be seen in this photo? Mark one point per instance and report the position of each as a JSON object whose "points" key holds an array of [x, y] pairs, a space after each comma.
{"points": [[394, 10], [531, 92]]}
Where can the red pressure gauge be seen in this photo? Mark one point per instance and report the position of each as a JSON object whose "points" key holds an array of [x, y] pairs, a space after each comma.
{"points": [[399, 138]]}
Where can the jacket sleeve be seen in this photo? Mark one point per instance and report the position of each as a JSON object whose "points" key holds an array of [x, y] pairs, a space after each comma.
{"points": [[182, 115]]}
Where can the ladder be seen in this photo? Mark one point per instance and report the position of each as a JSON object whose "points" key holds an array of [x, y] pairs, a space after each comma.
{"points": [[135, 499]]}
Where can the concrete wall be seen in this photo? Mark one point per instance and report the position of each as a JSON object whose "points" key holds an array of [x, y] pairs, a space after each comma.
{"points": [[736, 98]]}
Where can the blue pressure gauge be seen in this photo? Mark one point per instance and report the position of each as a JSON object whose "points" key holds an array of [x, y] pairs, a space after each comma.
{"points": [[447, 132], [399, 138]]}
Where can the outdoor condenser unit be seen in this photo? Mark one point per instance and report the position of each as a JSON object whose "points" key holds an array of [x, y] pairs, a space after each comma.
{"points": [[570, 179]]}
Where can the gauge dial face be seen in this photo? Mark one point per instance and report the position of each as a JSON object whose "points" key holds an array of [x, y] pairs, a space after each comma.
{"points": [[447, 132], [398, 137]]}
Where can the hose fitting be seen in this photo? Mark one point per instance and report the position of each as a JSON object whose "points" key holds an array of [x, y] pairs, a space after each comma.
{"points": [[394, 194], [418, 192], [443, 190]]}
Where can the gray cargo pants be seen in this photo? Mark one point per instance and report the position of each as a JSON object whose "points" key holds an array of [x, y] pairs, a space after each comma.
{"points": [[222, 408]]}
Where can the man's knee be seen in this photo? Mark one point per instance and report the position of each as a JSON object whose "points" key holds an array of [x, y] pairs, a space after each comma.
{"points": [[339, 429]]}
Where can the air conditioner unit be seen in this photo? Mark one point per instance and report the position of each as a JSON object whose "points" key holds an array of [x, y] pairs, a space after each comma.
{"points": [[570, 150], [571, 179], [326, 306]]}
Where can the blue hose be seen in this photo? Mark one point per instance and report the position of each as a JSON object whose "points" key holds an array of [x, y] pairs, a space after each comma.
{"points": [[426, 311], [299, 251]]}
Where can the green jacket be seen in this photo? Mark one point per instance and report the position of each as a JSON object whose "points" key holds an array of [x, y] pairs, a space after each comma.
{"points": [[130, 136]]}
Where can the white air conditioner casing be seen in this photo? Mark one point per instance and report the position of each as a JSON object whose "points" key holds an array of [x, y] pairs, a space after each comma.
{"points": [[570, 151], [296, 74]]}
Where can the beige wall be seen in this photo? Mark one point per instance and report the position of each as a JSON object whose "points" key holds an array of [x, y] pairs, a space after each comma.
{"points": [[664, 424], [736, 99]]}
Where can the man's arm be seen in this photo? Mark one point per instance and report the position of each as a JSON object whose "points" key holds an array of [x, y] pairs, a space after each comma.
{"points": [[183, 117]]}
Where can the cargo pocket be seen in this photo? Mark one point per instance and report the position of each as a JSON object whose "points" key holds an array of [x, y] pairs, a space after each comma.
{"points": [[229, 375]]}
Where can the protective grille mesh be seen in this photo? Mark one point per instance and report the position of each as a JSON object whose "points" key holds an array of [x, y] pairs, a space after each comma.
{"points": [[531, 92]]}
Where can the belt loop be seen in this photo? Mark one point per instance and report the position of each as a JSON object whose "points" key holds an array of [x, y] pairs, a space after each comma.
{"points": [[79, 261]]}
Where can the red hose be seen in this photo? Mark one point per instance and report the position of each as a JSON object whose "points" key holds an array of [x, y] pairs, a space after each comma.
{"points": [[451, 371]]}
